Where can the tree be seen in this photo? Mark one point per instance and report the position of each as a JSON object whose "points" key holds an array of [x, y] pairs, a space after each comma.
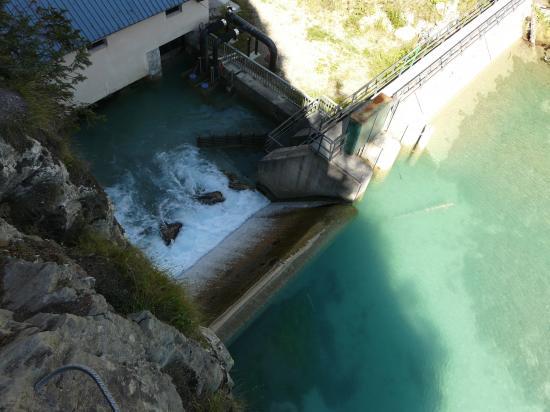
{"points": [[34, 45]]}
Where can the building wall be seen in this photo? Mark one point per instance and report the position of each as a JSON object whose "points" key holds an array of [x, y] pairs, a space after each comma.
{"points": [[124, 59]]}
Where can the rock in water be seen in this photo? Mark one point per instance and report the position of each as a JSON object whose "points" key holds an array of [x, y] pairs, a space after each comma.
{"points": [[236, 184], [170, 231], [211, 198]]}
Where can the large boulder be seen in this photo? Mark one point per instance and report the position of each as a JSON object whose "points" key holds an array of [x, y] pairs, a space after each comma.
{"points": [[38, 195], [170, 231]]}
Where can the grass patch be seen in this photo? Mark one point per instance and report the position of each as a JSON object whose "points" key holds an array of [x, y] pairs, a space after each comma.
{"points": [[381, 59], [218, 402], [316, 33], [395, 15], [130, 282]]}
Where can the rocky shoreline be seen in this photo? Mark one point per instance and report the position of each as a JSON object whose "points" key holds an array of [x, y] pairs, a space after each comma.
{"points": [[51, 313]]}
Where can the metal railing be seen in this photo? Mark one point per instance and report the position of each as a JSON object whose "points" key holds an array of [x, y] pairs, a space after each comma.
{"points": [[328, 147], [456, 50], [230, 55], [427, 73]]}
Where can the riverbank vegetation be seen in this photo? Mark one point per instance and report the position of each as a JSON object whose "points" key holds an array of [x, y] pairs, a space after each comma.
{"points": [[131, 283], [332, 48]]}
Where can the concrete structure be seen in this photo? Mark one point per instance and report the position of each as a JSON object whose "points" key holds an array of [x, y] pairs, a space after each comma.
{"points": [[124, 37], [419, 86], [299, 172], [414, 110]]}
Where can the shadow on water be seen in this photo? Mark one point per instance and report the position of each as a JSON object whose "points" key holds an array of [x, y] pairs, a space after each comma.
{"points": [[338, 338]]}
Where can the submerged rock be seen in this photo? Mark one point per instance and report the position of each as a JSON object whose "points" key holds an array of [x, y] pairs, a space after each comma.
{"points": [[236, 184], [170, 231], [211, 198]]}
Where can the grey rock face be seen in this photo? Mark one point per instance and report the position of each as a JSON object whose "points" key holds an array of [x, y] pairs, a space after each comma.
{"points": [[36, 189], [51, 316]]}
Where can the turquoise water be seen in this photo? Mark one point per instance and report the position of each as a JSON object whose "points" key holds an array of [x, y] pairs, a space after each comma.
{"points": [[437, 296], [145, 154]]}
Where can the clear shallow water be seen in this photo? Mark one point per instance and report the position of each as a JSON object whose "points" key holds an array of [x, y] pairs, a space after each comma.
{"points": [[144, 154], [437, 296]]}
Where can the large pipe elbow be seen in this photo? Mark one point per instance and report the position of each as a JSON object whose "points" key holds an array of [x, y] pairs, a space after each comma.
{"points": [[203, 40], [224, 38], [260, 35]]}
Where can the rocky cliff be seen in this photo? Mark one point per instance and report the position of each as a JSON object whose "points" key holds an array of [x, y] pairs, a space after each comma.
{"points": [[50, 313]]}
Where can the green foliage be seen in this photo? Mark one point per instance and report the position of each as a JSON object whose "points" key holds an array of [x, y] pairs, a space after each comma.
{"points": [[129, 282], [381, 59], [218, 402], [395, 15], [32, 62], [316, 33]]}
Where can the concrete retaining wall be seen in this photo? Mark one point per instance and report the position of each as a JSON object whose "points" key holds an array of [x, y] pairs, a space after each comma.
{"points": [[415, 111], [298, 172]]}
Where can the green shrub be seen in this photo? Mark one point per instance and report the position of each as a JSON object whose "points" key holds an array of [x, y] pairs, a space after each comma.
{"points": [[316, 33], [218, 402], [381, 59], [32, 63], [130, 282], [395, 15]]}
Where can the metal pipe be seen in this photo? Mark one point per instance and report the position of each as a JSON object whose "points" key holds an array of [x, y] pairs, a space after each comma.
{"points": [[259, 35], [203, 41], [230, 35], [88, 371]]}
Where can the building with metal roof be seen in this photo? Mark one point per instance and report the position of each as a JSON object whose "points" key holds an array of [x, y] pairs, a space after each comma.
{"points": [[97, 19], [124, 36]]}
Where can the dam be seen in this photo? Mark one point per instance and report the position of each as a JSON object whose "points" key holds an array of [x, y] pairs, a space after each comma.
{"points": [[434, 275], [434, 297]]}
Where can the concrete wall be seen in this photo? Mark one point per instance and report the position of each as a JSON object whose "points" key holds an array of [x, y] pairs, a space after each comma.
{"points": [[415, 111], [298, 172], [124, 60]]}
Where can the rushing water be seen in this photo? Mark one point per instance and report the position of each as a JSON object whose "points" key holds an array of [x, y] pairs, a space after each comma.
{"points": [[437, 296], [144, 153]]}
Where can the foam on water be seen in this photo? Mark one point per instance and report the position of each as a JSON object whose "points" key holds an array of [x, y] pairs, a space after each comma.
{"points": [[178, 175]]}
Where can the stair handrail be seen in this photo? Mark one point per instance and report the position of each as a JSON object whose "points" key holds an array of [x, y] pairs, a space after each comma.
{"points": [[372, 87]]}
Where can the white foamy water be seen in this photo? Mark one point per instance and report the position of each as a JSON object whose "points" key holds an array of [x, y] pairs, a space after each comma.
{"points": [[176, 177]]}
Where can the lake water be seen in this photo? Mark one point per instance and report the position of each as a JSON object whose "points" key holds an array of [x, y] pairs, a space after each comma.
{"points": [[437, 296], [145, 154]]}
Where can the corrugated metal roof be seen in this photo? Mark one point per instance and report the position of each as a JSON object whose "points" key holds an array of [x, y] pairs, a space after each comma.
{"points": [[97, 19]]}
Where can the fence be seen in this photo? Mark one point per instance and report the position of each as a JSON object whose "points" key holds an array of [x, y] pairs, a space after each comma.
{"points": [[229, 55], [330, 147], [456, 50]]}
